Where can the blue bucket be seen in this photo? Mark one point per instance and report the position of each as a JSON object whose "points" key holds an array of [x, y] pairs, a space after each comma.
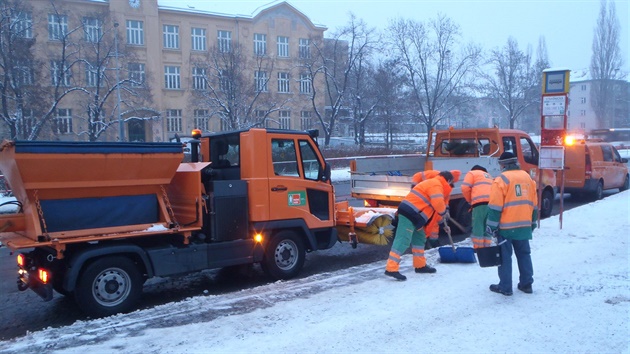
{"points": [[460, 255]]}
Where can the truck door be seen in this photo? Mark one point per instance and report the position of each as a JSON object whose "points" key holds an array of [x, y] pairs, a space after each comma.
{"points": [[296, 190]]}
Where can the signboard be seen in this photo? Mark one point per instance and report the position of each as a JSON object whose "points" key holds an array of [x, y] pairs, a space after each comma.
{"points": [[551, 157], [553, 106], [555, 81]]}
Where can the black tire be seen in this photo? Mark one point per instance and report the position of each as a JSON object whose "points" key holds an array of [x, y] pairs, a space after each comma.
{"points": [[284, 255], [598, 193], [108, 286], [626, 185], [546, 204]]}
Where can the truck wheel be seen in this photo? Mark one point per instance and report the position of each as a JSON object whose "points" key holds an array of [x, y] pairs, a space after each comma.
{"points": [[598, 193], [625, 186], [284, 255], [546, 205], [108, 286]]}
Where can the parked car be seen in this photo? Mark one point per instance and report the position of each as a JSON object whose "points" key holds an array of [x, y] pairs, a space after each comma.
{"points": [[592, 167]]}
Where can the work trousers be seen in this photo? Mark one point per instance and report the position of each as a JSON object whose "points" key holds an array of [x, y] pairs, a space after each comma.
{"points": [[406, 234], [478, 234], [522, 252]]}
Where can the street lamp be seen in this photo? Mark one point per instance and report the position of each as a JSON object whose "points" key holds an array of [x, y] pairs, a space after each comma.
{"points": [[121, 130]]}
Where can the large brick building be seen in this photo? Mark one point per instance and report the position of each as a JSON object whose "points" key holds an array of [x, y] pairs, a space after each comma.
{"points": [[164, 70]]}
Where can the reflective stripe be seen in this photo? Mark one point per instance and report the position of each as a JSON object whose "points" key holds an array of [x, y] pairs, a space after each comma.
{"points": [[518, 202], [466, 184], [484, 196], [434, 196], [483, 182], [511, 225], [410, 204], [419, 195], [495, 207], [417, 251], [491, 223], [505, 180]]}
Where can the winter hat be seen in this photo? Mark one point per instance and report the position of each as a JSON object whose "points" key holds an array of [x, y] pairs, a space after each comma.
{"points": [[480, 168], [507, 158]]}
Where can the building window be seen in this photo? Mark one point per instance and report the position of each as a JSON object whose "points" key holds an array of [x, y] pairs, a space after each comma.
{"points": [[583, 100], [283, 47], [60, 74], [171, 36], [305, 83], [224, 39], [198, 36], [63, 121], [225, 84], [583, 87], [285, 119], [173, 120], [93, 29], [283, 82], [136, 74], [306, 120], [260, 44], [92, 76], [23, 24], [583, 125], [28, 121], [201, 119], [24, 73], [260, 81], [135, 32], [583, 112], [199, 78], [57, 26], [171, 77], [305, 48]]}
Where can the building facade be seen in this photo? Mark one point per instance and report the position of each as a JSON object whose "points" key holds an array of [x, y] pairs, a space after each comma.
{"points": [[163, 70], [581, 115]]}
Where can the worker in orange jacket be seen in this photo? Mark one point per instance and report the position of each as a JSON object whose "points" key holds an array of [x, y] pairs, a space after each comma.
{"points": [[512, 215], [426, 201], [476, 190], [432, 229]]}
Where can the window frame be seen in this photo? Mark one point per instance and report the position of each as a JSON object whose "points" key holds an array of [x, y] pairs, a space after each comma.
{"points": [[172, 80], [282, 43], [135, 32], [284, 80], [224, 41], [260, 44], [199, 78], [170, 37], [57, 26], [174, 120], [198, 40]]}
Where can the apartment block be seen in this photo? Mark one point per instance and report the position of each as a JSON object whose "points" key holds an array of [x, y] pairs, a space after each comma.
{"points": [[163, 70]]}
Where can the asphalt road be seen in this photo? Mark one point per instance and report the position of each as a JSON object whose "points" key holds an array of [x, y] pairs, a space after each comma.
{"points": [[22, 312]]}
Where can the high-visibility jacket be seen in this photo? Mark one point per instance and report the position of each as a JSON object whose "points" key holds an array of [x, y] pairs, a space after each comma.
{"points": [[476, 187], [513, 205], [426, 200], [424, 175]]}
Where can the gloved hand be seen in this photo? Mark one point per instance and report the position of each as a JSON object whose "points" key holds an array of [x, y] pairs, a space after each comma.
{"points": [[445, 218], [490, 232]]}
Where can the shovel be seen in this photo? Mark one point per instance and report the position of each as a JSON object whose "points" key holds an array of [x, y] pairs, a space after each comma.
{"points": [[454, 254]]}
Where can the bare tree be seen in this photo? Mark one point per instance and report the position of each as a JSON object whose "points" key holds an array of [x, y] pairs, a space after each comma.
{"points": [[513, 80], [437, 68], [388, 87], [18, 69], [605, 64], [238, 95], [332, 64], [100, 55]]}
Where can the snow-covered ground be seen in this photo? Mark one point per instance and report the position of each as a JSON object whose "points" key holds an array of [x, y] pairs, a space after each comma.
{"points": [[580, 304]]}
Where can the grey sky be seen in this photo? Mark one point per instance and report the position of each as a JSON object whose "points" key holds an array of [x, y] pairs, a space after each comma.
{"points": [[567, 25]]}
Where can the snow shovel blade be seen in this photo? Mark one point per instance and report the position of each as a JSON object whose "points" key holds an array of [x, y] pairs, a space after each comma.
{"points": [[452, 254]]}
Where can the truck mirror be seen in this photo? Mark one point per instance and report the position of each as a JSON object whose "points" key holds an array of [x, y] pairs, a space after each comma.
{"points": [[325, 174]]}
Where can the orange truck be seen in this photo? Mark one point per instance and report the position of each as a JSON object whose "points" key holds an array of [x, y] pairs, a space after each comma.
{"points": [[385, 181], [96, 220]]}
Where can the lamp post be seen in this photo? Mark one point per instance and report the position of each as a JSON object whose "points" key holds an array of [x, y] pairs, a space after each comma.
{"points": [[121, 130]]}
